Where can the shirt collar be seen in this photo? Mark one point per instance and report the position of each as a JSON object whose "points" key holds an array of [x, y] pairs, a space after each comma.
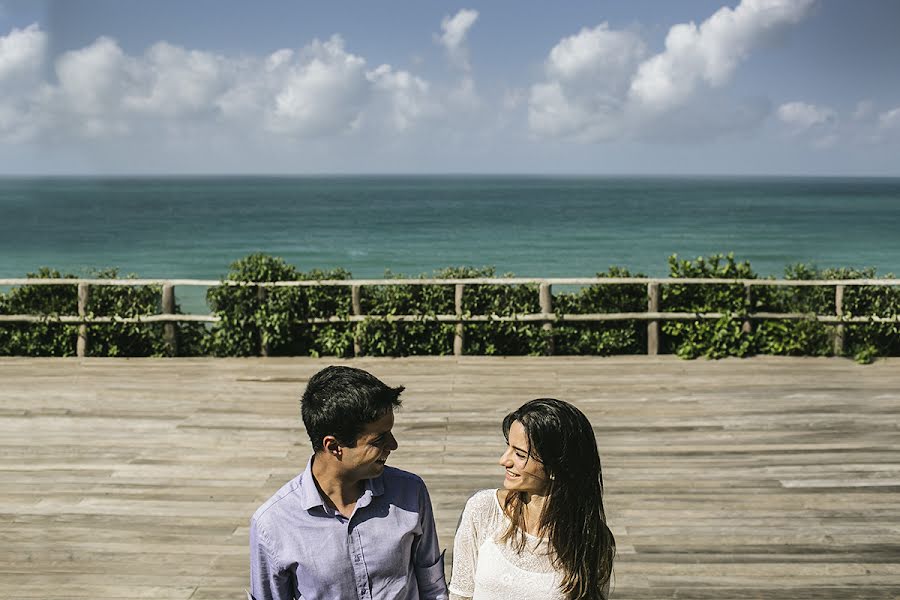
{"points": [[309, 493]]}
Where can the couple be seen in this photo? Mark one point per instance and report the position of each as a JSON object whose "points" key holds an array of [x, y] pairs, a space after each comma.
{"points": [[351, 528]]}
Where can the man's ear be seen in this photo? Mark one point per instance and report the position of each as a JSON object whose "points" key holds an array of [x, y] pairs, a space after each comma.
{"points": [[332, 446]]}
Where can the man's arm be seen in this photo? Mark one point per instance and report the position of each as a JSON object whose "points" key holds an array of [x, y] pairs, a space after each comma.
{"points": [[267, 580], [428, 560]]}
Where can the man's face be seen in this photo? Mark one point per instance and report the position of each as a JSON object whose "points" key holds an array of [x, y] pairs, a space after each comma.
{"points": [[373, 446]]}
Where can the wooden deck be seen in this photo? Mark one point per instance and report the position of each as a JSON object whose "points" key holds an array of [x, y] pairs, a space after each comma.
{"points": [[760, 478]]}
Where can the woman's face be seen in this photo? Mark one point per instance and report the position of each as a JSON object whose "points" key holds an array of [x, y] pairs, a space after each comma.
{"points": [[524, 472]]}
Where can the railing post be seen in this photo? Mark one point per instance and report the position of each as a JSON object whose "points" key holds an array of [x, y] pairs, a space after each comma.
{"points": [[170, 338], [547, 308], [84, 295], [261, 295], [458, 339], [357, 311], [652, 326], [839, 329], [747, 326]]}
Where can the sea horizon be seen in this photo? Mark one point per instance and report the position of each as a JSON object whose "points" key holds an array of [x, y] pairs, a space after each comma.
{"points": [[448, 175], [194, 227]]}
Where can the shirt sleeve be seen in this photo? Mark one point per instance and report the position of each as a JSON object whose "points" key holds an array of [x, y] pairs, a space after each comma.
{"points": [[428, 560], [267, 580], [465, 553]]}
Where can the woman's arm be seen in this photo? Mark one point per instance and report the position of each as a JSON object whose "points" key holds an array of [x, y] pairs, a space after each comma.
{"points": [[465, 552]]}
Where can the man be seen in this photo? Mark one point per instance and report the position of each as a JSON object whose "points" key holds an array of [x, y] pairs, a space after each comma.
{"points": [[348, 527]]}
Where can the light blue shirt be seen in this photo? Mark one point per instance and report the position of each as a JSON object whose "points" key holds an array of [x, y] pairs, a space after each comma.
{"points": [[387, 549]]}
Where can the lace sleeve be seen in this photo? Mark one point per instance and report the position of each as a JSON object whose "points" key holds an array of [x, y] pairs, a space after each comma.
{"points": [[469, 534]]}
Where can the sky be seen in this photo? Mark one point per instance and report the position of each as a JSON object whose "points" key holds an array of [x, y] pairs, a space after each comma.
{"points": [[695, 87]]}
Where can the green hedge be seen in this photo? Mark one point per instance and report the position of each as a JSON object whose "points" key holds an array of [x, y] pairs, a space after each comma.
{"points": [[120, 339], [252, 317], [724, 337]]}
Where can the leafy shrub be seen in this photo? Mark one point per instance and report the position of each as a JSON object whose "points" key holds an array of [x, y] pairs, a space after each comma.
{"points": [[113, 339], [796, 338], [710, 338], [254, 316], [603, 338], [379, 337], [863, 342], [507, 338], [40, 339]]}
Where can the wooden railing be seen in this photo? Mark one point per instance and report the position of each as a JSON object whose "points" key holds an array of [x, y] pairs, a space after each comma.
{"points": [[546, 317]]}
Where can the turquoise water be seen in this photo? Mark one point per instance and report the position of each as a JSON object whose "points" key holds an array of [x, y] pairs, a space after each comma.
{"points": [[540, 226]]}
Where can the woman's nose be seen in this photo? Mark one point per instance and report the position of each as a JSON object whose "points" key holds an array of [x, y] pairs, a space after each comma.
{"points": [[505, 460]]}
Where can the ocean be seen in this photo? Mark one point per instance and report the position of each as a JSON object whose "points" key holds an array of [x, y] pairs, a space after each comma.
{"points": [[194, 227]]}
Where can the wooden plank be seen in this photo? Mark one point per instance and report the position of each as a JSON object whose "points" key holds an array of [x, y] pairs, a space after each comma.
{"points": [[770, 477]]}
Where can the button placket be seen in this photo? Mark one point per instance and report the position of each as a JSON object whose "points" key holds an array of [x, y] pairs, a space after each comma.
{"points": [[359, 567]]}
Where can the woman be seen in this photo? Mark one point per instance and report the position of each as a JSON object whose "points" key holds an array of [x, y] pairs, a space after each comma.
{"points": [[543, 536]]}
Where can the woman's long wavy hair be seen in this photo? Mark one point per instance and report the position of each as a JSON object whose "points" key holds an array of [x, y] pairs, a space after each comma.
{"points": [[572, 519]]}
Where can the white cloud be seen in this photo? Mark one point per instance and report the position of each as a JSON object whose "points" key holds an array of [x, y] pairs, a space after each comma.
{"points": [[889, 120], [22, 53], [177, 82], [587, 80], [407, 95], [464, 96], [170, 93], [864, 110], [826, 142], [94, 79], [709, 53], [513, 98], [600, 84], [802, 116], [823, 128], [453, 36], [324, 93], [596, 56]]}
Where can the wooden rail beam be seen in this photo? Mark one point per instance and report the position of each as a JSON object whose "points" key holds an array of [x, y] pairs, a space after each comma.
{"points": [[516, 318]]}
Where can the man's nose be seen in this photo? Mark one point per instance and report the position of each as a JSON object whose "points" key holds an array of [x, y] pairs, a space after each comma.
{"points": [[392, 442]]}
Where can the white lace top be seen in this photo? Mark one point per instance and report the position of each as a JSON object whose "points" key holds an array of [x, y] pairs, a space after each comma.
{"points": [[484, 568]]}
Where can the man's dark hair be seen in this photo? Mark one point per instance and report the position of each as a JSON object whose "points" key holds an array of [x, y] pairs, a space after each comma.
{"points": [[340, 401]]}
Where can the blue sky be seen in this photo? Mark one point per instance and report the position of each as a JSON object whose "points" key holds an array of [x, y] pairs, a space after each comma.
{"points": [[640, 87]]}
